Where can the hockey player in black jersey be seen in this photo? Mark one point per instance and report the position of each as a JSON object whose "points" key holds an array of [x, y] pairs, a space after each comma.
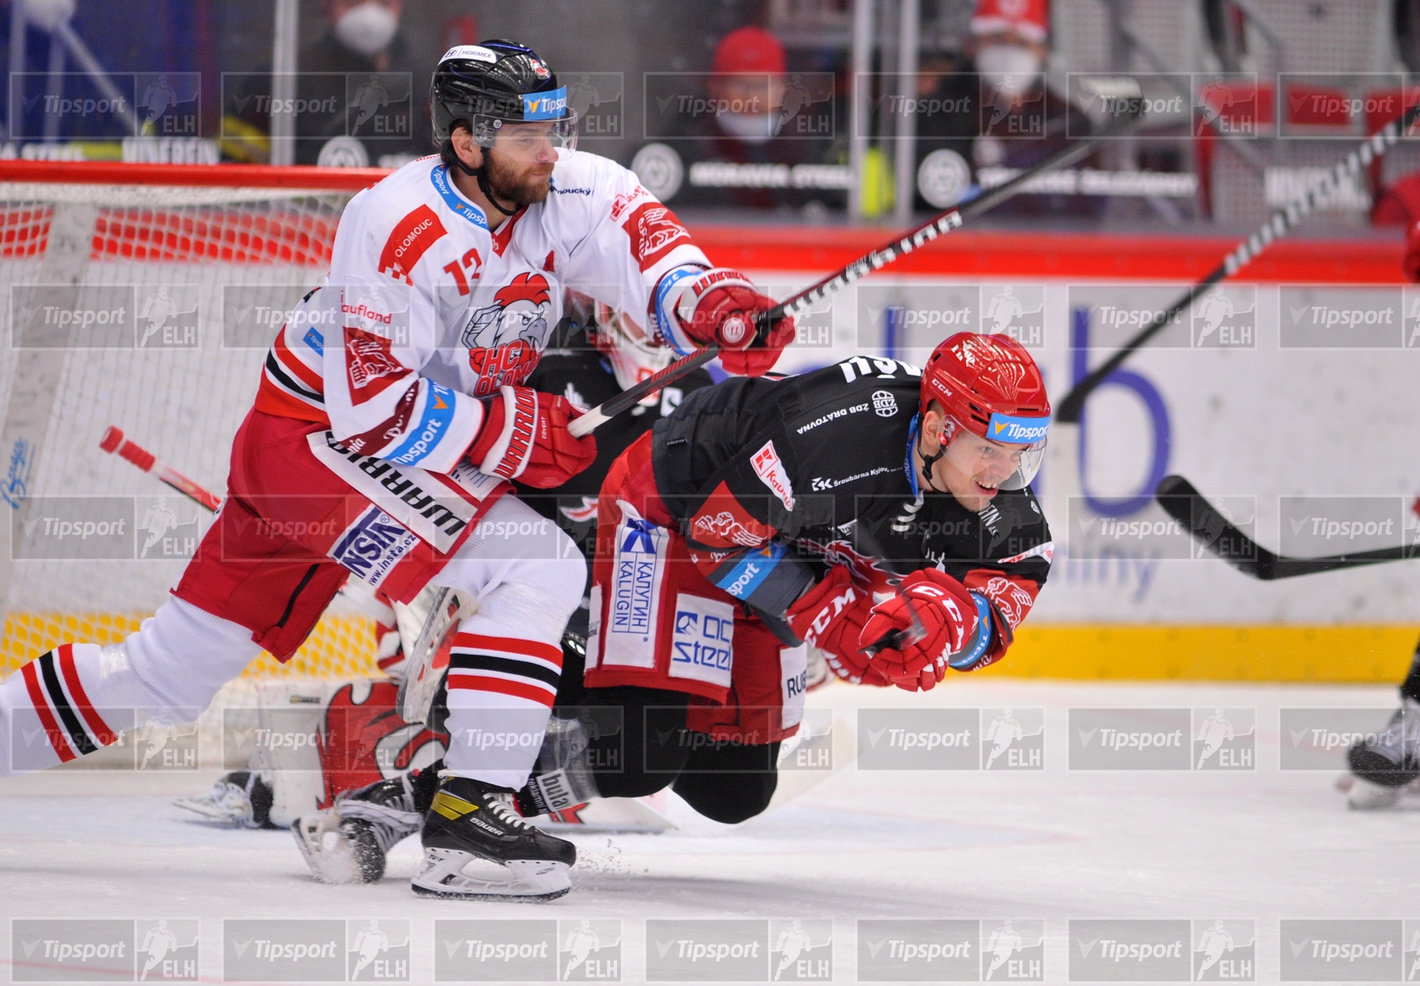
{"points": [[879, 512]]}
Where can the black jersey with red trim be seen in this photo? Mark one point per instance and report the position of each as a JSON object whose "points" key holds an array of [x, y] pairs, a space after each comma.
{"points": [[575, 370], [757, 471]]}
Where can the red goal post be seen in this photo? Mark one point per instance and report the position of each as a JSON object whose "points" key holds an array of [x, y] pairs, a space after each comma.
{"points": [[143, 297]]}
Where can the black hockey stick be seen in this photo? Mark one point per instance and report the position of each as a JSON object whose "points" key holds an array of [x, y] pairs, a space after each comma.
{"points": [[1281, 221], [1206, 523], [1126, 99]]}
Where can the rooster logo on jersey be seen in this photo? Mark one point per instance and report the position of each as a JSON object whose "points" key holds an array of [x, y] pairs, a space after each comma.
{"points": [[504, 339]]}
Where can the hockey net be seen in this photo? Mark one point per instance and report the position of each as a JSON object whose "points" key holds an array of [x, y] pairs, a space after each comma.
{"points": [[142, 297]]}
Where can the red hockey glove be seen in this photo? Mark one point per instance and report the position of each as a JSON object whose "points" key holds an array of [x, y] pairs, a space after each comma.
{"points": [[916, 659], [719, 306], [830, 616], [525, 437]]}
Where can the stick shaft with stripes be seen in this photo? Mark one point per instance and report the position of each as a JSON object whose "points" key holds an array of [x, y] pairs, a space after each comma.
{"points": [[1277, 226]]}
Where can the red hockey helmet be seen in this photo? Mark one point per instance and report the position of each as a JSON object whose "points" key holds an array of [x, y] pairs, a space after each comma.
{"points": [[990, 386]]}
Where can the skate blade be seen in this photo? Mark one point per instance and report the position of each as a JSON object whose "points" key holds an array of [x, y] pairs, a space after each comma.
{"points": [[330, 858], [442, 875], [217, 814]]}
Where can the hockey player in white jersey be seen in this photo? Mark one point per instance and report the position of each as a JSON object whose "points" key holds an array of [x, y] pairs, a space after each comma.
{"points": [[390, 417]]}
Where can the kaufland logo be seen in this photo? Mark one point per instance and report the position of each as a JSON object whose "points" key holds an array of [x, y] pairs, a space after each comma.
{"points": [[1018, 431]]}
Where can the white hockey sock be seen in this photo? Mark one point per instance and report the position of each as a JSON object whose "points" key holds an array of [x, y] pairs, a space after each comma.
{"points": [[500, 694], [77, 698]]}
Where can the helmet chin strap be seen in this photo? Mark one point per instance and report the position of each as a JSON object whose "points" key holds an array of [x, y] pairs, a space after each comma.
{"points": [[480, 175], [928, 461]]}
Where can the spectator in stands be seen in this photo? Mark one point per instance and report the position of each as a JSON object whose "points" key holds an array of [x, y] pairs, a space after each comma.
{"points": [[357, 104], [1003, 115], [761, 134]]}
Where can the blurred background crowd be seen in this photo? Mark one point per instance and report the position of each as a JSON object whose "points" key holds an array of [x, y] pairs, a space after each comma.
{"points": [[818, 111]]}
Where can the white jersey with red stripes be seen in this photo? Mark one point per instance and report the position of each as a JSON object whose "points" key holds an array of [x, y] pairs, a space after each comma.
{"points": [[426, 310]]}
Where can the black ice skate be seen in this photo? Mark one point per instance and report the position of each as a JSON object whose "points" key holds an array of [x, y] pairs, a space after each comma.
{"points": [[471, 822], [348, 842], [1384, 764]]}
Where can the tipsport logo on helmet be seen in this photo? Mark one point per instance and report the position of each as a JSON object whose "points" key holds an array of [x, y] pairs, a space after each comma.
{"points": [[545, 105], [1016, 430]]}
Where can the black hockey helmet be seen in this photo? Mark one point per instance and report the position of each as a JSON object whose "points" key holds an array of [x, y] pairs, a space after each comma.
{"points": [[496, 82]]}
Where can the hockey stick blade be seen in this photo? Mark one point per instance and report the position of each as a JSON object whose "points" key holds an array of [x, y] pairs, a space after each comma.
{"points": [[1181, 500], [1124, 98], [1072, 406]]}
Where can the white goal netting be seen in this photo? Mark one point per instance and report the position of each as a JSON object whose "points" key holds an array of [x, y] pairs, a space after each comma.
{"points": [[135, 303]]}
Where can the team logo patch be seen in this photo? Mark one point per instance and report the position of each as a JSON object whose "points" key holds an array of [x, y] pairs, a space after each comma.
{"points": [[370, 365], [654, 231], [373, 545], [884, 403], [771, 472], [702, 639]]}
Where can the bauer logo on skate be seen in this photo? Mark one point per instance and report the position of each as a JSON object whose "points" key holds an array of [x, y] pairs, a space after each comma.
{"points": [[373, 545]]}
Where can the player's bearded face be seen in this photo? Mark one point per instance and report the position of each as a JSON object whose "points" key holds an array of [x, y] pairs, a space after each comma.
{"points": [[520, 164]]}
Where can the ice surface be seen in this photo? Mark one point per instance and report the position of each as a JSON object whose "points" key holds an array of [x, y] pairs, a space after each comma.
{"points": [[1042, 847]]}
